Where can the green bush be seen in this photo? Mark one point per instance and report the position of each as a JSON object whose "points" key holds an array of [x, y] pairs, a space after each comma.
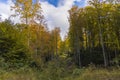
{"points": [[13, 52]]}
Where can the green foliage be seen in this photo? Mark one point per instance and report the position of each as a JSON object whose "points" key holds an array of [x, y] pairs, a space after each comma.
{"points": [[94, 33], [13, 53]]}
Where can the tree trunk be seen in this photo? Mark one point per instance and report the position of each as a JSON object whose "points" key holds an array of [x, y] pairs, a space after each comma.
{"points": [[102, 43]]}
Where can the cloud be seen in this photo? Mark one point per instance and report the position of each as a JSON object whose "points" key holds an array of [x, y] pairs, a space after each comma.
{"points": [[58, 16], [5, 10], [86, 2]]}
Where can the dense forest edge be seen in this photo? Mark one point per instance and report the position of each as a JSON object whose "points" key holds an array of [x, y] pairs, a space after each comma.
{"points": [[90, 51]]}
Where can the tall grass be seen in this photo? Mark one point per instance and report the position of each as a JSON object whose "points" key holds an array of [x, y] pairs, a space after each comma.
{"points": [[58, 72]]}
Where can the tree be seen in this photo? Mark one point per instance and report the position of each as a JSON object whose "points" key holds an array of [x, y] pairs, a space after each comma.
{"points": [[29, 11], [75, 32], [55, 35], [12, 50], [94, 30]]}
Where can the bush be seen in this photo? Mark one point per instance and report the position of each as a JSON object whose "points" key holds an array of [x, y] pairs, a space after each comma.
{"points": [[12, 53]]}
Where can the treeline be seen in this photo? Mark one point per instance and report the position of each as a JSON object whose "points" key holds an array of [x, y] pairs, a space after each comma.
{"points": [[29, 42], [14, 47], [94, 33], [93, 37]]}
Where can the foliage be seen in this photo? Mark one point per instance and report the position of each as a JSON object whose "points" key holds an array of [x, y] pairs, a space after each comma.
{"points": [[12, 52], [93, 33]]}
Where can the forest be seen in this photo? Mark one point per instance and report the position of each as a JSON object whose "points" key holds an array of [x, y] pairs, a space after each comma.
{"points": [[90, 51]]}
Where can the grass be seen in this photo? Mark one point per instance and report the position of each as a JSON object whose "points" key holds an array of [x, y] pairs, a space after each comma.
{"points": [[100, 74], [52, 73], [28, 74]]}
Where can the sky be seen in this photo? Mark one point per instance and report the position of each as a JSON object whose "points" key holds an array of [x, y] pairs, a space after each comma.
{"points": [[55, 12]]}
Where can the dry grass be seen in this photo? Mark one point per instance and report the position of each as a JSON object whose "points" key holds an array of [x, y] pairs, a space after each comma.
{"points": [[77, 74]]}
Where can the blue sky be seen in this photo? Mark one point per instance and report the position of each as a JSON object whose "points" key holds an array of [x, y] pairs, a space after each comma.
{"points": [[55, 2], [55, 12], [3, 0]]}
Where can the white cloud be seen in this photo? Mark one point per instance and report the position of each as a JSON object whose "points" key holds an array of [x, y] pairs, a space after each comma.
{"points": [[5, 11], [86, 2], [58, 16]]}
